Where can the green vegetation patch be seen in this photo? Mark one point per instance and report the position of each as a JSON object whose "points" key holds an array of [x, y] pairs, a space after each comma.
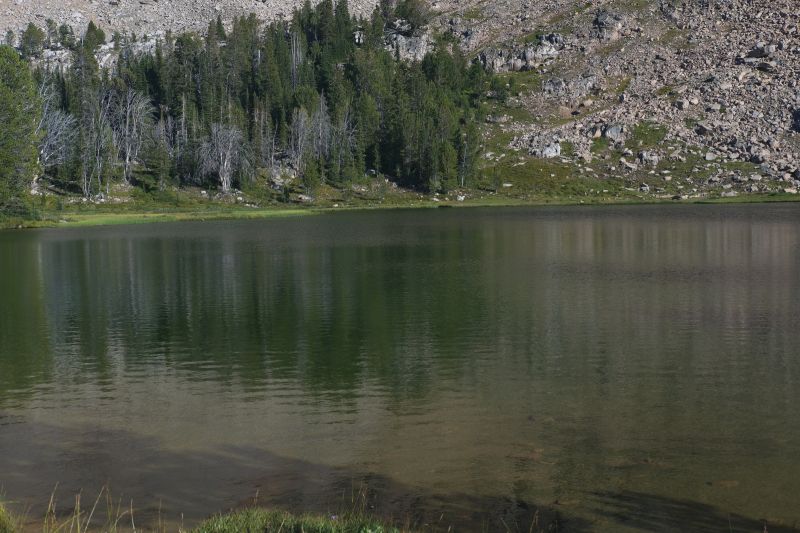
{"points": [[6, 523], [665, 90], [260, 520], [673, 37], [474, 14], [646, 135], [106, 219], [632, 5], [623, 85], [525, 180], [255, 521], [600, 144]]}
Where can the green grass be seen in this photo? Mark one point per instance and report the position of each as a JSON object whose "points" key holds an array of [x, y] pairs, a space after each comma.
{"points": [[548, 182], [261, 520], [622, 85], [525, 81], [600, 144], [253, 520], [632, 5], [646, 135], [111, 218], [665, 90], [6, 524], [473, 14], [673, 37]]}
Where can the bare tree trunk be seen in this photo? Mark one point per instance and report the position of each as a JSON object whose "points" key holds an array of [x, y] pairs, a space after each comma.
{"points": [[223, 153], [321, 127], [464, 161], [343, 138], [297, 59], [300, 138], [56, 129], [97, 140], [133, 112]]}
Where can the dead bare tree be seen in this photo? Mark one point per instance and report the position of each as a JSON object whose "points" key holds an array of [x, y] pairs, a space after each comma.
{"points": [[182, 148], [132, 113], [166, 143], [56, 129], [343, 138], [297, 58], [321, 130], [222, 154], [98, 141], [267, 140], [300, 138]]}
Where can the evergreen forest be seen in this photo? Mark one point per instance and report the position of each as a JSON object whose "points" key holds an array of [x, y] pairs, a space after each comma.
{"points": [[321, 98]]}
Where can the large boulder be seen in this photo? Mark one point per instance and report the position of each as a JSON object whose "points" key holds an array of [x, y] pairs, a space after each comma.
{"points": [[648, 158], [614, 133], [555, 87], [607, 26]]}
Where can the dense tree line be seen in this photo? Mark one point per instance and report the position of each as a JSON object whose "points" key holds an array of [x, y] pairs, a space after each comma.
{"points": [[320, 98]]}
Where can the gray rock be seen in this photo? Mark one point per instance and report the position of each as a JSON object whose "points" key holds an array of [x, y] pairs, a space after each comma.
{"points": [[761, 50], [552, 150], [607, 26], [614, 133], [555, 87], [704, 128], [648, 158]]}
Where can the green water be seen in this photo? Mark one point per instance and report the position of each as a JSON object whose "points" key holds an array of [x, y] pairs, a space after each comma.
{"points": [[615, 369]]}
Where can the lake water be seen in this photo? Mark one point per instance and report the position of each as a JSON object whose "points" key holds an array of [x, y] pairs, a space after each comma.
{"points": [[614, 369]]}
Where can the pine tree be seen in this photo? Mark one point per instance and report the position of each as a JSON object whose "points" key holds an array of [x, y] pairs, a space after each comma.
{"points": [[32, 42], [19, 114], [94, 38]]}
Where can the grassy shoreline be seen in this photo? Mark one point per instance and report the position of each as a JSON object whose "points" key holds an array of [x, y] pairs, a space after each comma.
{"points": [[251, 520], [144, 214]]}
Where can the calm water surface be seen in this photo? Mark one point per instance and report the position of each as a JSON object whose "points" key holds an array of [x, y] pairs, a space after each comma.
{"points": [[617, 368]]}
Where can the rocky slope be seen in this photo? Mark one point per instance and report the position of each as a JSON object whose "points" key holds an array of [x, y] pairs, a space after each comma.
{"points": [[151, 17], [710, 88]]}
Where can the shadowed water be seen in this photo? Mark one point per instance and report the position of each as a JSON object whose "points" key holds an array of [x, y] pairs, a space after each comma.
{"points": [[612, 368]]}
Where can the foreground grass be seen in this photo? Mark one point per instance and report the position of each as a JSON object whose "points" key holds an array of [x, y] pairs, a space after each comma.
{"points": [[6, 524], [245, 521], [260, 520]]}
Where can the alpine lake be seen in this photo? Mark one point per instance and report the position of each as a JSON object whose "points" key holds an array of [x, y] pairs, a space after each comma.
{"points": [[486, 369]]}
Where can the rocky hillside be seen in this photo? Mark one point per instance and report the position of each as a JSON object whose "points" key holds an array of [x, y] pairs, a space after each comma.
{"points": [[151, 17], [671, 97], [703, 91]]}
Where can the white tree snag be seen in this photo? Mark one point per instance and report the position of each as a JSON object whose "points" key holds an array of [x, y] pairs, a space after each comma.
{"points": [[222, 154]]}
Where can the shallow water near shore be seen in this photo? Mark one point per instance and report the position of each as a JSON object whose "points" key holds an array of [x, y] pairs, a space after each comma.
{"points": [[615, 368]]}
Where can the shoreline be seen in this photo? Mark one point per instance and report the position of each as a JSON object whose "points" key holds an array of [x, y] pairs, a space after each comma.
{"points": [[135, 215], [235, 521]]}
